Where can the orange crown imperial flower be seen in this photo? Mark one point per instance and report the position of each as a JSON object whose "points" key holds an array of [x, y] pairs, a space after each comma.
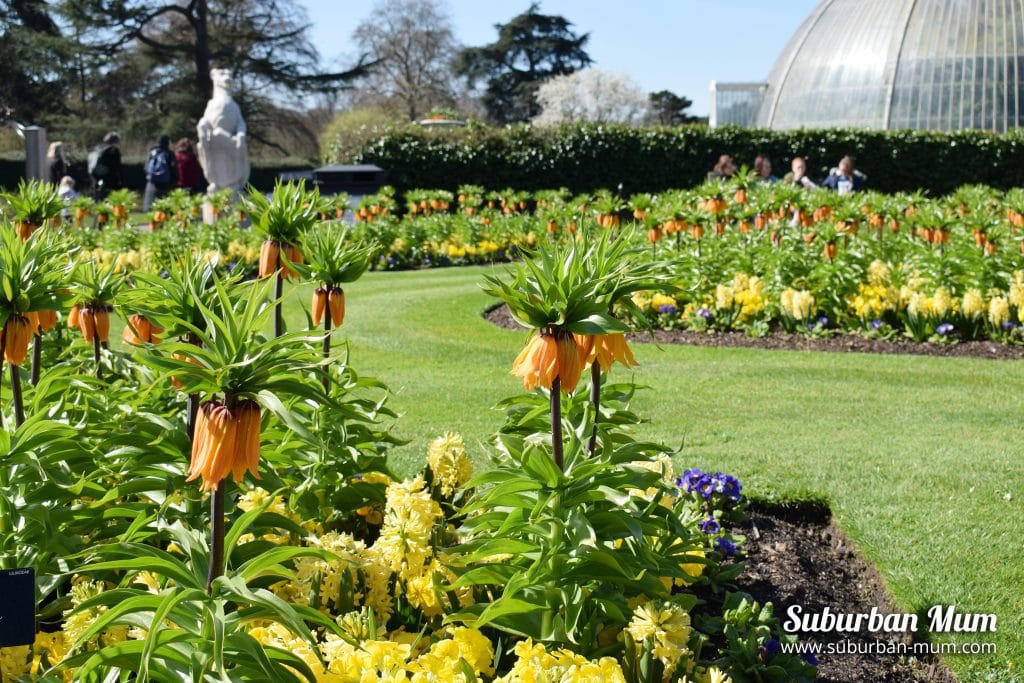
{"points": [[293, 252], [47, 320], [94, 321], [226, 441], [270, 256], [336, 302], [75, 316], [608, 348], [548, 356], [17, 332], [318, 305], [140, 330]]}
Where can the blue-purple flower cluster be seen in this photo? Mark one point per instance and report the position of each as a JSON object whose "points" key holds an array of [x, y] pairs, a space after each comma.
{"points": [[709, 526], [706, 485], [667, 309]]}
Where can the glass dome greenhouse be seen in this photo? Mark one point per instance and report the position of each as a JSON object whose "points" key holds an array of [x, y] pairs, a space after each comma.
{"points": [[926, 64]]}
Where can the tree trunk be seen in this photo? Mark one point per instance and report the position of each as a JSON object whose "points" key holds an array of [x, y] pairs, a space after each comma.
{"points": [[202, 54]]}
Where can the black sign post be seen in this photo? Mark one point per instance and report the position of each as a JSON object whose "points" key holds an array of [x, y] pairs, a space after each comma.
{"points": [[17, 607]]}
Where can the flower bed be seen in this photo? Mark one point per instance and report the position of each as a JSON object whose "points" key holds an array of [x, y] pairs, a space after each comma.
{"points": [[129, 482], [743, 256]]}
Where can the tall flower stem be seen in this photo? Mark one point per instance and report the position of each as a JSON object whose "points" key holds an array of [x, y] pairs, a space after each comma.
{"points": [[3, 347], [37, 356], [217, 520], [327, 348], [278, 293], [216, 536], [96, 354], [193, 411], [595, 399], [557, 450], [19, 405], [193, 399]]}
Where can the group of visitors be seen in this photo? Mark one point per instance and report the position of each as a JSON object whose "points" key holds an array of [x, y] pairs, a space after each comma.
{"points": [[844, 178], [165, 169]]}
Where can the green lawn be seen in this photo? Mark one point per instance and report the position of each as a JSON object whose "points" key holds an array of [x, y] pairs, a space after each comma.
{"points": [[920, 458]]}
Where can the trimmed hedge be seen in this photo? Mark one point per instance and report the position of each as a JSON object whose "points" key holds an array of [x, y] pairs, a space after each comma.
{"points": [[262, 175], [585, 157]]}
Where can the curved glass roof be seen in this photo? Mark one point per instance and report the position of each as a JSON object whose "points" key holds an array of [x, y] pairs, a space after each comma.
{"points": [[935, 64]]}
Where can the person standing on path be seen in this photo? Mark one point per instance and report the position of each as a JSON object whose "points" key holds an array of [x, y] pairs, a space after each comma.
{"points": [[161, 172]]}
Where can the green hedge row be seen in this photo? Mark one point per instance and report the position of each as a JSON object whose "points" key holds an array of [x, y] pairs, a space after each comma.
{"points": [[584, 157], [261, 176]]}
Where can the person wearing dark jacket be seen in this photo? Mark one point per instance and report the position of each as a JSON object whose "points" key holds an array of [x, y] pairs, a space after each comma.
{"points": [[845, 179], [190, 177], [56, 164], [161, 172], [105, 167]]}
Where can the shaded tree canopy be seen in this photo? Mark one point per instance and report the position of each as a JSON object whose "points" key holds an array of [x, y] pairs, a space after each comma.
{"points": [[530, 48], [669, 109], [143, 66], [33, 59], [413, 45]]}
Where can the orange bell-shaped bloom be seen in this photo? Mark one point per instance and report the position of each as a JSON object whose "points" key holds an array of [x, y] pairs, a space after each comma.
{"points": [[94, 320], [75, 316], [336, 302], [140, 330], [47, 320], [548, 357], [585, 344], [293, 253], [537, 363], [225, 442], [609, 348], [247, 440], [318, 305], [270, 257], [17, 332]]}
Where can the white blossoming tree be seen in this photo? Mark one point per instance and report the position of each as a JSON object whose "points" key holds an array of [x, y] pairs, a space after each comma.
{"points": [[591, 95]]}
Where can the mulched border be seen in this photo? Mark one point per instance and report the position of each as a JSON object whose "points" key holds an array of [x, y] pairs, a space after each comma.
{"points": [[796, 555], [781, 341]]}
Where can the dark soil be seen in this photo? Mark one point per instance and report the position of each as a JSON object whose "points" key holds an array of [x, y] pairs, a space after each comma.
{"points": [[797, 556], [796, 342]]}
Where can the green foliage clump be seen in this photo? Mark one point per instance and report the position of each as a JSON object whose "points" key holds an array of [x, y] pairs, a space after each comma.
{"points": [[587, 156]]}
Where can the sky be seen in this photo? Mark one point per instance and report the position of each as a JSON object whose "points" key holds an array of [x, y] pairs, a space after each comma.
{"points": [[677, 45]]}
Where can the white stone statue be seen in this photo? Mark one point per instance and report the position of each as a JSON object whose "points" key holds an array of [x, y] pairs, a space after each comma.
{"points": [[222, 149]]}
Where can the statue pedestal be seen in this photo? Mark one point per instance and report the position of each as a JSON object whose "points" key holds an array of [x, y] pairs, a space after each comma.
{"points": [[208, 215]]}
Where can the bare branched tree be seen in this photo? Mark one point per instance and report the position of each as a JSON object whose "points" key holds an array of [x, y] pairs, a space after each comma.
{"points": [[413, 45]]}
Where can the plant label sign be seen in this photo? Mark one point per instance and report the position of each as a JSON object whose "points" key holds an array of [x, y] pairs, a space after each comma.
{"points": [[17, 607]]}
